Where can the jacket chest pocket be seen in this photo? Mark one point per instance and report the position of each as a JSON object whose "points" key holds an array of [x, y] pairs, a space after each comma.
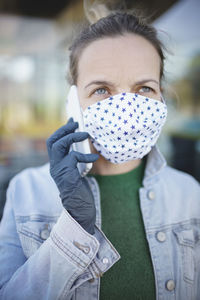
{"points": [[32, 234], [189, 241]]}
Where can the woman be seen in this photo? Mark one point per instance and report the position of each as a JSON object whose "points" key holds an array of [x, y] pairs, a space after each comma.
{"points": [[130, 228]]}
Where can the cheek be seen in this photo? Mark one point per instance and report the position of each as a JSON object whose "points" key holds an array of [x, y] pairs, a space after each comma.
{"points": [[83, 104], [158, 96]]}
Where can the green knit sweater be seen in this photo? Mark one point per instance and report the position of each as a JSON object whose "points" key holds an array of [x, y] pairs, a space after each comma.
{"points": [[132, 276]]}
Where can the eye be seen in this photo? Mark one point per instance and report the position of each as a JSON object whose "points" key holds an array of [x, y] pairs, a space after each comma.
{"points": [[145, 89], [100, 91]]}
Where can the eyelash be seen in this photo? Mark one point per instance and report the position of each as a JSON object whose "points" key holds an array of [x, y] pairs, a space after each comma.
{"points": [[145, 86], [100, 88]]}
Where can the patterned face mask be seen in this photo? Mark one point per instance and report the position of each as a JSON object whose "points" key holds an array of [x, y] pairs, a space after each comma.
{"points": [[126, 126]]}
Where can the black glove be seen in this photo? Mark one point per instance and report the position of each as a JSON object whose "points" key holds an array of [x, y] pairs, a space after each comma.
{"points": [[74, 190]]}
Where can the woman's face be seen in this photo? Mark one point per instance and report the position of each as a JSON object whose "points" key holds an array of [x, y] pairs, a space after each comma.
{"points": [[114, 65]]}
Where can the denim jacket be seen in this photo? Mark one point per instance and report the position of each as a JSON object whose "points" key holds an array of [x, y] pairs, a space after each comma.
{"points": [[46, 254]]}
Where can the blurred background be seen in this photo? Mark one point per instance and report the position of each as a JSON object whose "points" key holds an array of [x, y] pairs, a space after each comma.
{"points": [[34, 41]]}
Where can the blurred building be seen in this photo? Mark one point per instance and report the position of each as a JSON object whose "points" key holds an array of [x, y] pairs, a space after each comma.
{"points": [[179, 28]]}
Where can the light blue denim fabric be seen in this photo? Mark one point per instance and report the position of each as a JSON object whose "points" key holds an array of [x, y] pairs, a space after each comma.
{"points": [[45, 253]]}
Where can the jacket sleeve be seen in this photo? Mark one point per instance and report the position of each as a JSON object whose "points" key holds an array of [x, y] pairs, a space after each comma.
{"points": [[55, 269]]}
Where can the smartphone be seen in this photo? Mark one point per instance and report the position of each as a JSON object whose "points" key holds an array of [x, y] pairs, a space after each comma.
{"points": [[74, 110]]}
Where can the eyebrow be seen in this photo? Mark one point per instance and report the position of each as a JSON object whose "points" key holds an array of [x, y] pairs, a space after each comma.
{"points": [[146, 80], [99, 82], [104, 82]]}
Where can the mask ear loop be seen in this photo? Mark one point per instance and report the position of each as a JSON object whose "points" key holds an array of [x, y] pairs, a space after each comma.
{"points": [[163, 100]]}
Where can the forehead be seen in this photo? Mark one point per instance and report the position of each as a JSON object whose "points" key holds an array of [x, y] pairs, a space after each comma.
{"points": [[124, 56]]}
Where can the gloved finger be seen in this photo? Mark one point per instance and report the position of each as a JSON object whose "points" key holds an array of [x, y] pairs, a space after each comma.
{"points": [[74, 157], [62, 146], [62, 131]]}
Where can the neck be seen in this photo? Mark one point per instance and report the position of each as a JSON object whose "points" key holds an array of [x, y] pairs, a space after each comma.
{"points": [[105, 167]]}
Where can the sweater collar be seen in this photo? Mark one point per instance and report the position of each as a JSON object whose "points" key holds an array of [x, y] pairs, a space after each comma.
{"points": [[155, 163]]}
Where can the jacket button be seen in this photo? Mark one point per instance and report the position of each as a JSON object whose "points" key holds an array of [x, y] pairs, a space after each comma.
{"points": [[170, 285], [91, 280], [151, 195], [44, 234], [161, 236], [105, 260], [84, 248]]}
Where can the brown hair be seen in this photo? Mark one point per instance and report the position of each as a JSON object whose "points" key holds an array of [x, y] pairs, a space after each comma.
{"points": [[114, 24]]}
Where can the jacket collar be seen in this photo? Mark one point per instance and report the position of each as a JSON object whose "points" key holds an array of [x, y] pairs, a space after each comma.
{"points": [[155, 163]]}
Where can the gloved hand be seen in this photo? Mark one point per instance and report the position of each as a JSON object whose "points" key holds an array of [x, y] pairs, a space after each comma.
{"points": [[74, 190]]}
